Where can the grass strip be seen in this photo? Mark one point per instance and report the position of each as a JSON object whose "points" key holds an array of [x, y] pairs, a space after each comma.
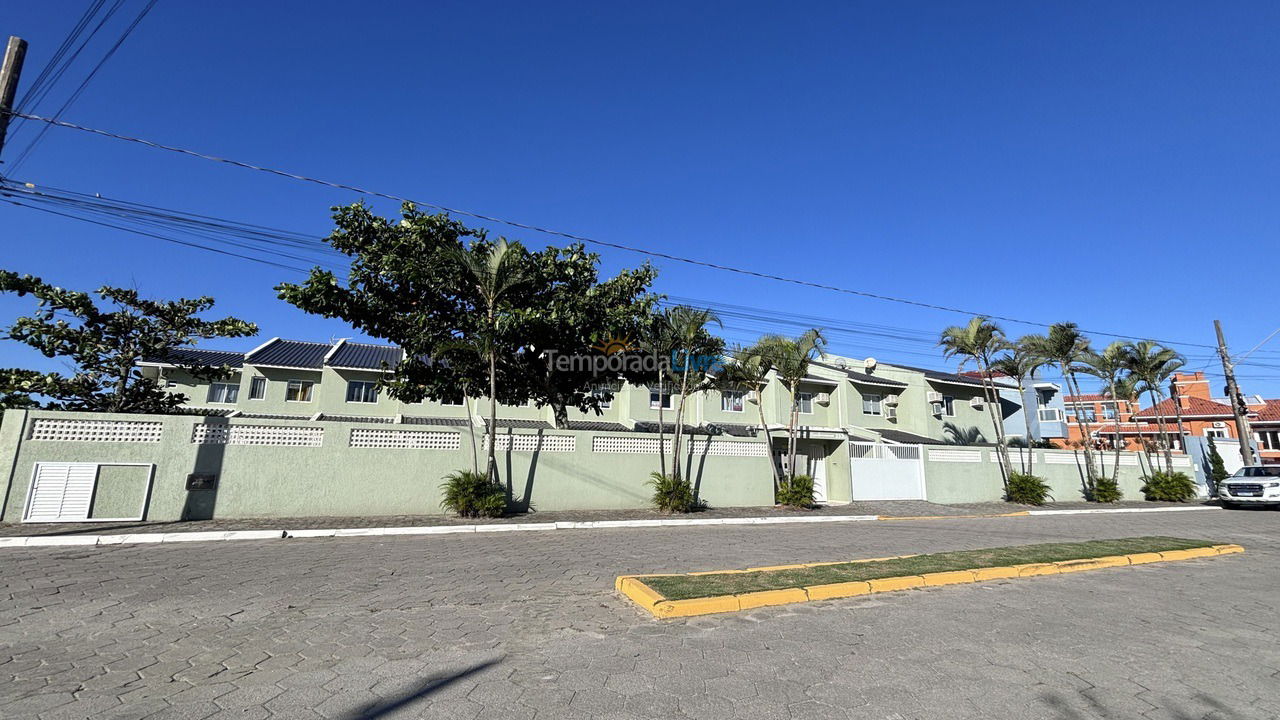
{"points": [[685, 587]]}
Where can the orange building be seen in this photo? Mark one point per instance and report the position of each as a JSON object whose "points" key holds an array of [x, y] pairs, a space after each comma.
{"points": [[1097, 410]]}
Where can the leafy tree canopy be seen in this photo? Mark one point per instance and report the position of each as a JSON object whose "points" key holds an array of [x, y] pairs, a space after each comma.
{"points": [[105, 346], [405, 286]]}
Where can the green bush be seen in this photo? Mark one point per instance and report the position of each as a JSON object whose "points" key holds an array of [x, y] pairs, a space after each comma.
{"points": [[1107, 490], [473, 494], [796, 492], [1027, 489], [1168, 487], [673, 494]]}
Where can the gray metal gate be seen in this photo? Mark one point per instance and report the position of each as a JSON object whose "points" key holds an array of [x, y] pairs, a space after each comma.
{"points": [[886, 472]]}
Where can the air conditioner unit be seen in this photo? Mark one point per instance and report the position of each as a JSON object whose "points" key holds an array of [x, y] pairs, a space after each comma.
{"points": [[976, 402], [890, 399], [753, 397], [891, 412], [823, 398], [936, 407], [1219, 424], [933, 396]]}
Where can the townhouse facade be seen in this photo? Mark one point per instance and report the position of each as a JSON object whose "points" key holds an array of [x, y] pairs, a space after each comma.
{"points": [[842, 401]]}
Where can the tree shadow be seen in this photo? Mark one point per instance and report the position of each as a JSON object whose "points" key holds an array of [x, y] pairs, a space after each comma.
{"points": [[419, 692], [1096, 708]]}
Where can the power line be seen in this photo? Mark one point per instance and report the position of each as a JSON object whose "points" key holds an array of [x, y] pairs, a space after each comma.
{"points": [[567, 235], [38, 84], [85, 83]]}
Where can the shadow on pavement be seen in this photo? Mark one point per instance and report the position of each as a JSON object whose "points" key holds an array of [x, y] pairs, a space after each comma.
{"points": [[1096, 709], [414, 694]]}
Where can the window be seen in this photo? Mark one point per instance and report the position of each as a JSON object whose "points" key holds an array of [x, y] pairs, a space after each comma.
{"points": [[257, 388], [1109, 410], [298, 391], [449, 401], [1088, 414], [1049, 414], [731, 400], [804, 402], [948, 406], [1216, 432], [222, 392], [871, 404], [657, 400], [603, 395], [362, 391], [1269, 439]]}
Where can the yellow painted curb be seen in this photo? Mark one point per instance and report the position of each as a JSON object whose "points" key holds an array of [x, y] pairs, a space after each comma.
{"points": [[633, 586], [905, 582], [954, 577], [771, 597], [838, 590]]}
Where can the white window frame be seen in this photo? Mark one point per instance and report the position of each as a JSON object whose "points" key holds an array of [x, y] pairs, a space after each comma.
{"points": [[372, 387], [446, 403], [1217, 433], [872, 404], [228, 388], [1054, 415], [804, 400], [255, 382], [309, 385], [948, 406], [1268, 439], [730, 398]]}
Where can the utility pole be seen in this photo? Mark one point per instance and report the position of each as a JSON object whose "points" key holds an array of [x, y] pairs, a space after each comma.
{"points": [[1238, 405], [14, 54]]}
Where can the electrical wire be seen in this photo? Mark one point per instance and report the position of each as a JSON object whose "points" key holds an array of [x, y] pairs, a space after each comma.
{"points": [[572, 236]]}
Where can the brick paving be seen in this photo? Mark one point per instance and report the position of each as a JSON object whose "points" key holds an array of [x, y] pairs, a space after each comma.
{"points": [[527, 626]]}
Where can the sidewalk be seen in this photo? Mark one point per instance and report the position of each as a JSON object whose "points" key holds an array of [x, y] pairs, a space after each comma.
{"points": [[264, 528]]}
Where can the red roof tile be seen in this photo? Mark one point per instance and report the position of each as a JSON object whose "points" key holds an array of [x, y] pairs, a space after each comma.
{"points": [[1196, 407], [1269, 412]]}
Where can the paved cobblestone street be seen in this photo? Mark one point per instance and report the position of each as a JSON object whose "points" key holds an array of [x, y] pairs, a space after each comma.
{"points": [[527, 625]]}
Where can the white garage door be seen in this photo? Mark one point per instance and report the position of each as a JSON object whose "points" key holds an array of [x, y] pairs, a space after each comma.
{"points": [[61, 492]]}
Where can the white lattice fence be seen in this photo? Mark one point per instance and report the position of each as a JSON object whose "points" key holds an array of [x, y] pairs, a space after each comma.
{"points": [[639, 445], [277, 435], [728, 448], [1051, 458], [882, 451], [405, 439], [72, 430], [964, 456], [535, 443]]}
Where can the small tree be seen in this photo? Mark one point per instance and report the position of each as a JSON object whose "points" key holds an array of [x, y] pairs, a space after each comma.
{"points": [[1020, 363], [105, 346], [979, 341], [695, 364], [1217, 468], [1110, 367], [1067, 347], [751, 370], [791, 358], [1153, 364]]}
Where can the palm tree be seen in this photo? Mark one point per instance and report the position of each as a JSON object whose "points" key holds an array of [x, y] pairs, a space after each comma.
{"points": [[751, 370], [979, 341], [658, 343], [1153, 364], [1065, 346], [695, 346], [1128, 390], [1020, 363], [791, 358], [492, 272], [1110, 367]]}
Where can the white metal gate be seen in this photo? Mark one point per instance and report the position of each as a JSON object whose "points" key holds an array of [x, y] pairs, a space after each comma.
{"points": [[886, 472]]}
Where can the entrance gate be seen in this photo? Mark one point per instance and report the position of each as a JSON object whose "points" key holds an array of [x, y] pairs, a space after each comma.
{"points": [[887, 472]]}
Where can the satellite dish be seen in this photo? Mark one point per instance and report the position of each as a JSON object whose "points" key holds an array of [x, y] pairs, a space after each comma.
{"points": [[869, 364], [842, 363]]}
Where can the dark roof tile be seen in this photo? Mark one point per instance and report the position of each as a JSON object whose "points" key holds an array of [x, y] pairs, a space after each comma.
{"points": [[363, 356], [290, 354]]}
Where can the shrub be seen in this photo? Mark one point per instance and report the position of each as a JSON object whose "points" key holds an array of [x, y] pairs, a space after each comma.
{"points": [[673, 494], [796, 492], [1168, 487], [473, 494], [1107, 490], [1027, 489]]}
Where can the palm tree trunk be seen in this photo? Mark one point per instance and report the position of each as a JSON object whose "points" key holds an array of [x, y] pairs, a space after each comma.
{"points": [[792, 418], [1026, 417], [1164, 435], [662, 437], [993, 399], [1086, 433], [768, 439], [1116, 420]]}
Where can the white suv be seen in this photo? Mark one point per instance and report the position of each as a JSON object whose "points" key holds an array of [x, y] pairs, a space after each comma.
{"points": [[1251, 485]]}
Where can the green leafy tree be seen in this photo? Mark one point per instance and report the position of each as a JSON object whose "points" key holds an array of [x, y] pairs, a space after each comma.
{"points": [[1066, 347], [1154, 364], [409, 284], [1020, 363], [105, 344], [791, 359], [980, 340], [1217, 468]]}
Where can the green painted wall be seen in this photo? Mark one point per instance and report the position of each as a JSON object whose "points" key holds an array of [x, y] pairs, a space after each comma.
{"points": [[338, 480], [958, 482]]}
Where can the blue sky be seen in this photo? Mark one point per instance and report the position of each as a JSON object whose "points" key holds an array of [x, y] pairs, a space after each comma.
{"points": [[1113, 164]]}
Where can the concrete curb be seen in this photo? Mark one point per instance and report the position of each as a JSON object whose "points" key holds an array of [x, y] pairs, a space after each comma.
{"points": [[635, 589], [212, 535]]}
